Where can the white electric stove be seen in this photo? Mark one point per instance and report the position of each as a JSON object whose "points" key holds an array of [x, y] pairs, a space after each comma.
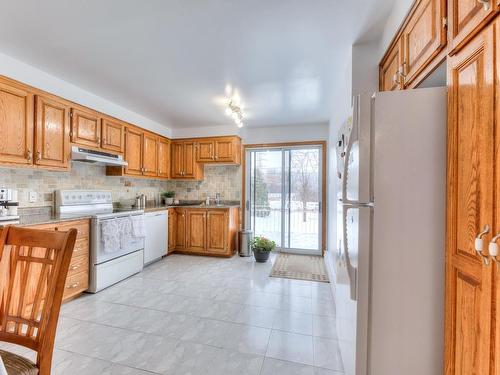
{"points": [[106, 267]]}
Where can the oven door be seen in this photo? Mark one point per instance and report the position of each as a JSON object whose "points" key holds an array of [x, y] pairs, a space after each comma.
{"points": [[128, 245]]}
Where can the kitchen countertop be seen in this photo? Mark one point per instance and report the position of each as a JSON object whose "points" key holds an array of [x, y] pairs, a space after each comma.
{"points": [[44, 215], [201, 205], [49, 218]]}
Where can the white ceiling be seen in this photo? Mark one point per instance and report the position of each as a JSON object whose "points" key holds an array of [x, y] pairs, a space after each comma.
{"points": [[170, 60]]}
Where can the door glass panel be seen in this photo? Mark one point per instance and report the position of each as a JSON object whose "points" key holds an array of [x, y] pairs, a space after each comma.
{"points": [[304, 205], [265, 197], [284, 200]]}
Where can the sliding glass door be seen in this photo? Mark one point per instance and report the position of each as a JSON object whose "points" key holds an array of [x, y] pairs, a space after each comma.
{"points": [[283, 199]]}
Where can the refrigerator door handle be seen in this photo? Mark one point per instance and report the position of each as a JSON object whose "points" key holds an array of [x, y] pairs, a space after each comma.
{"points": [[353, 136], [351, 271]]}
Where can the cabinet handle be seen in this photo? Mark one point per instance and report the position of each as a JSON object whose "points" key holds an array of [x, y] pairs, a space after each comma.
{"points": [[29, 155], [486, 4], [73, 286], [493, 249], [395, 79], [478, 244], [98, 139], [74, 268], [38, 156]]}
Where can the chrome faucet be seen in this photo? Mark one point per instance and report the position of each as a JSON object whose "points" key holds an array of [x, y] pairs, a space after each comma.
{"points": [[217, 198]]}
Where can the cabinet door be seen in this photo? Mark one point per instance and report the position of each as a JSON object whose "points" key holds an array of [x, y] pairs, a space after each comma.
{"points": [[190, 164], [85, 128], [226, 150], [469, 206], [424, 36], [163, 158], [205, 150], [465, 17], [16, 125], [196, 230], [180, 238], [112, 135], [217, 227], [133, 151], [390, 79], [52, 133], [177, 159], [172, 229], [150, 155]]}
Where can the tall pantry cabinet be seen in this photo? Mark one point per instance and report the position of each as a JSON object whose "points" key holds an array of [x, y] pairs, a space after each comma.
{"points": [[472, 338]]}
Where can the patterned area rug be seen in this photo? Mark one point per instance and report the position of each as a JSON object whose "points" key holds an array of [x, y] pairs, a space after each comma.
{"points": [[301, 267]]}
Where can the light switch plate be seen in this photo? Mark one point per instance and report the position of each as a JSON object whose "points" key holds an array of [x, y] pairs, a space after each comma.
{"points": [[33, 196]]}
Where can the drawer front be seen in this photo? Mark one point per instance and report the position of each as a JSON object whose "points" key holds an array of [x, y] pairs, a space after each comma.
{"points": [[78, 265], [81, 226], [81, 248], [76, 284]]}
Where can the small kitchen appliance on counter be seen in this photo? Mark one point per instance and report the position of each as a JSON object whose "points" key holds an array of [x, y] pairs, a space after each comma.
{"points": [[108, 264], [8, 206]]}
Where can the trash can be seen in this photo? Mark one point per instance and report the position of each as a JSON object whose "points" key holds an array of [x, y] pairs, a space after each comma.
{"points": [[246, 237]]}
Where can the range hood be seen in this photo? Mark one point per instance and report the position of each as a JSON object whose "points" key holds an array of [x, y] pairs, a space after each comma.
{"points": [[98, 157]]}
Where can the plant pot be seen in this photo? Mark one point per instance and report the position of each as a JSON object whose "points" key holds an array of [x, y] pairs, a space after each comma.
{"points": [[169, 201], [261, 256]]}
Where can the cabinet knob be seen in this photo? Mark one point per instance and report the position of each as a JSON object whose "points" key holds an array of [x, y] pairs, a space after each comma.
{"points": [[29, 155], [486, 4], [38, 156], [478, 244]]}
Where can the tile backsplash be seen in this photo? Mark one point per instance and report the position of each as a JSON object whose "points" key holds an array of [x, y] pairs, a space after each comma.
{"points": [[223, 179]]}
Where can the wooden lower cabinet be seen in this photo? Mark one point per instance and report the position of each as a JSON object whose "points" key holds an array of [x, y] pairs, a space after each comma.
{"points": [[180, 232], [172, 229], [205, 231], [196, 234], [217, 227], [473, 198], [77, 280]]}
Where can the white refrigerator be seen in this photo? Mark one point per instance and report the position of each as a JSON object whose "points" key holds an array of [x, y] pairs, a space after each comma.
{"points": [[389, 265]]}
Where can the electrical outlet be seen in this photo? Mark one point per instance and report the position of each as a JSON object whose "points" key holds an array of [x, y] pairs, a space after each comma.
{"points": [[33, 196]]}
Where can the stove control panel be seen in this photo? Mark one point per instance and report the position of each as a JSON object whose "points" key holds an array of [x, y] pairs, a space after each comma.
{"points": [[82, 197]]}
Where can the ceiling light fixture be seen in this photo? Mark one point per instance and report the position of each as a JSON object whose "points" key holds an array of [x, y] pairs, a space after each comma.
{"points": [[235, 111]]}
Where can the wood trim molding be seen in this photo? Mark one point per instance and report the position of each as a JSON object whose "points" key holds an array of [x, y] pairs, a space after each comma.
{"points": [[324, 152]]}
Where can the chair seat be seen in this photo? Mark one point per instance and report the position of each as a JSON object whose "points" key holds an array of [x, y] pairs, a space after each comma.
{"points": [[17, 365]]}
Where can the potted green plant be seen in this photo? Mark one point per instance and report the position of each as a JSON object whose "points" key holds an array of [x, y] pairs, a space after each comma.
{"points": [[262, 247], [168, 197]]}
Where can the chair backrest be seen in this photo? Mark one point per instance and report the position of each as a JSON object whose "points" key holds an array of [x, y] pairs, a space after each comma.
{"points": [[33, 268]]}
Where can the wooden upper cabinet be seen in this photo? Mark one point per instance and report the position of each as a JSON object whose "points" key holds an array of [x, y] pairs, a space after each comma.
{"points": [[133, 151], [196, 230], [150, 155], [470, 205], [52, 128], [177, 159], [217, 231], [424, 36], [183, 161], [466, 17], [390, 78], [16, 125], [228, 150], [163, 158], [190, 164], [113, 135], [85, 128], [219, 150], [205, 150]]}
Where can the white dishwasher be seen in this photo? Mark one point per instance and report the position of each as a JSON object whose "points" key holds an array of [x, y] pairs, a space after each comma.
{"points": [[156, 230]]}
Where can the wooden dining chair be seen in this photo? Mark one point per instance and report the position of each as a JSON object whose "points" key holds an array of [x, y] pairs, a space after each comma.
{"points": [[33, 269]]}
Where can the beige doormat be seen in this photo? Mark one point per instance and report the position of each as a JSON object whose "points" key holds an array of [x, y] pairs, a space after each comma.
{"points": [[301, 267]]}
